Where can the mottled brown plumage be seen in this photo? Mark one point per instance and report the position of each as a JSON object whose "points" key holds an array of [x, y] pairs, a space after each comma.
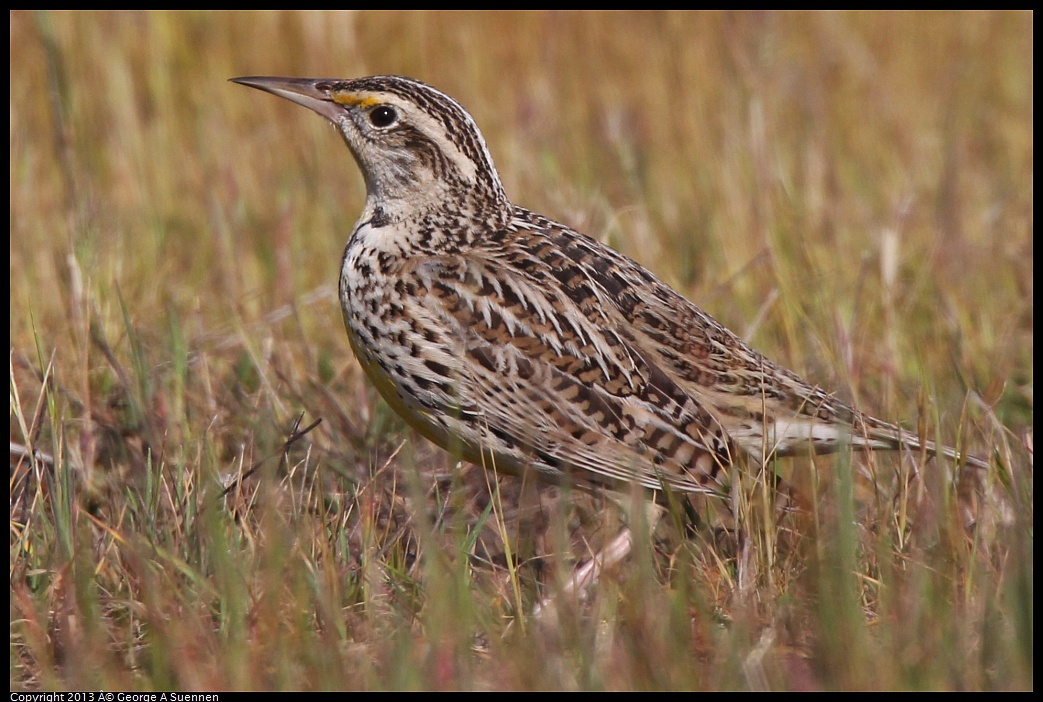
{"points": [[517, 342]]}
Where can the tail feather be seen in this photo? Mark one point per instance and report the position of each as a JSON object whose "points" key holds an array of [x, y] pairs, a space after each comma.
{"points": [[792, 436], [970, 481], [878, 432]]}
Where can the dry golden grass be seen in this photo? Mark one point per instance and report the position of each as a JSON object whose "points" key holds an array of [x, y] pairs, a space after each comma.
{"points": [[852, 193]]}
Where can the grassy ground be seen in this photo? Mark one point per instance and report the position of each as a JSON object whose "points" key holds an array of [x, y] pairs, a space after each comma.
{"points": [[852, 193]]}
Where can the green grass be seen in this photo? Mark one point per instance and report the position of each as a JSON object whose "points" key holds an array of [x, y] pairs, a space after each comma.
{"points": [[852, 193]]}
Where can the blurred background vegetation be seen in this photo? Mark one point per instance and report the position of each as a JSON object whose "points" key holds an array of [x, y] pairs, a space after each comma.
{"points": [[850, 192]]}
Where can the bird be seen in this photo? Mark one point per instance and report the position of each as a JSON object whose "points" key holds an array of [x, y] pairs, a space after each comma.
{"points": [[522, 345]]}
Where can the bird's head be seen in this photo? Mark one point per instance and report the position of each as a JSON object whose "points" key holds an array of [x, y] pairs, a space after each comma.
{"points": [[418, 149]]}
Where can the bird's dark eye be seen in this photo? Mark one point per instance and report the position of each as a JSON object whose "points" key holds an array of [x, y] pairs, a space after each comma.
{"points": [[382, 116]]}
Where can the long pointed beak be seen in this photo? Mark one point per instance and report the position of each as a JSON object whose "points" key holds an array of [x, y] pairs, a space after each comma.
{"points": [[303, 91]]}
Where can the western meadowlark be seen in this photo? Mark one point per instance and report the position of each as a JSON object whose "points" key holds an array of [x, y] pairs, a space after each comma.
{"points": [[521, 344]]}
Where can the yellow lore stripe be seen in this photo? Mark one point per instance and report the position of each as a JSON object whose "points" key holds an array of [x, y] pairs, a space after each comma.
{"points": [[345, 97]]}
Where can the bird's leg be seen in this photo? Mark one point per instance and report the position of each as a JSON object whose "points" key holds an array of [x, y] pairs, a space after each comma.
{"points": [[587, 574]]}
